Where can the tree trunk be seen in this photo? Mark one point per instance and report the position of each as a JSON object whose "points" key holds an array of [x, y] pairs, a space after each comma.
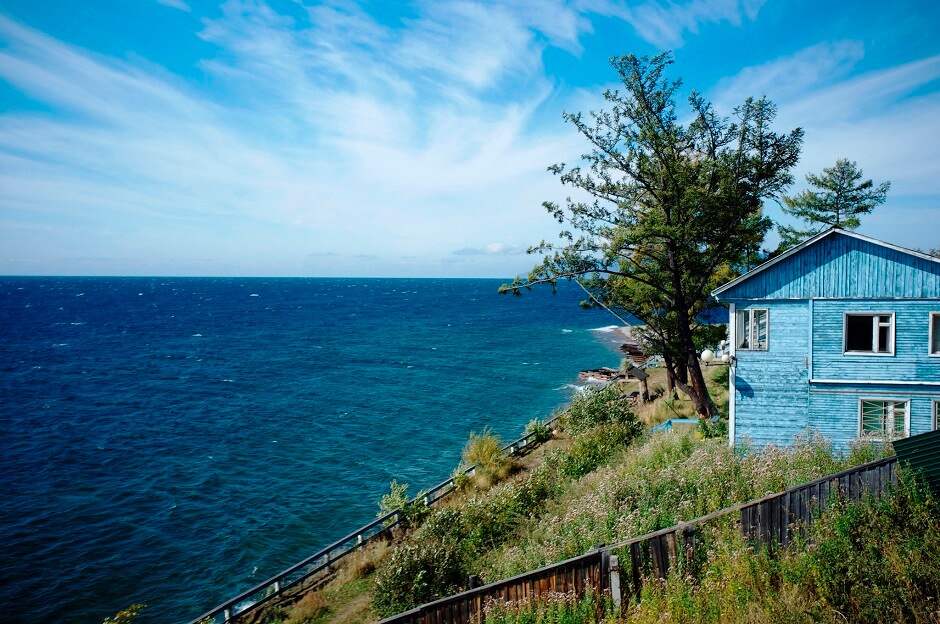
{"points": [[701, 399], [670, 376], [682, 372]]}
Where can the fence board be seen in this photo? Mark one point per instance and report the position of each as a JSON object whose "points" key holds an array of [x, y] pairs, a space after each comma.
{"points": [[772, 519]]}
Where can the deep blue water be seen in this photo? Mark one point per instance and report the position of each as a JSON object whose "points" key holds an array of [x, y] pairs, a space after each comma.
{"points": [[176, 440]]}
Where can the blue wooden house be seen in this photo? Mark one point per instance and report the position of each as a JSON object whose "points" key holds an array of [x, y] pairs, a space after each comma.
{"points": [[840, 334]]}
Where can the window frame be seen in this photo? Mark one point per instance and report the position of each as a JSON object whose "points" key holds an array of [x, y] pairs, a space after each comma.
{"points": [[936, 414], [933, 319], [862, 434], [892, 329], [739, 336]]}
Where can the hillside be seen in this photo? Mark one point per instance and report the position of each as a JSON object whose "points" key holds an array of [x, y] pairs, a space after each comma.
{"points": [[601, 480]]}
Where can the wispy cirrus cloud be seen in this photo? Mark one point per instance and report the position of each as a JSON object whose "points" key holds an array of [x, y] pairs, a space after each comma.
{"points": [[176, 4], [493, 249], [885, 119], [333, 137], [666, 24], [879, 118]]}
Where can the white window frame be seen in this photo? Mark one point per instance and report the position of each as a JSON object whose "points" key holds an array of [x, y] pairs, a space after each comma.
{"points": [[876, 324], [891, 435], [752, 329], [936, 414], [934, 319]]}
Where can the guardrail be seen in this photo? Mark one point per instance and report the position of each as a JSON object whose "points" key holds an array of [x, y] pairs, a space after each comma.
{"points": [[323, 561]]}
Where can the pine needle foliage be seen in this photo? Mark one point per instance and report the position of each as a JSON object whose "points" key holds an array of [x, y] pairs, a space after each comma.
{"points": [[839, 199]]}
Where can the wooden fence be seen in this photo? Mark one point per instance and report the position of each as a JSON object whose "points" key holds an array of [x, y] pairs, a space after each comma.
{"points": [[247, 603], [574, 575], [774, 519]]}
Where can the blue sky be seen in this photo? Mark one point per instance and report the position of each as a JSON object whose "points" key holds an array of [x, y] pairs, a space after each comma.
{"points": [[175, 137]]}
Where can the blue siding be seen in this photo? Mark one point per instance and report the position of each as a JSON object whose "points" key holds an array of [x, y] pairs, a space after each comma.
{"points": [[834, 410], [842, 266], [911, 359], [807, 295], [771, 390]]}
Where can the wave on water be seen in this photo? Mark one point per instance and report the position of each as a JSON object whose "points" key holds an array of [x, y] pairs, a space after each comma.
{"points": [[607, 329]]}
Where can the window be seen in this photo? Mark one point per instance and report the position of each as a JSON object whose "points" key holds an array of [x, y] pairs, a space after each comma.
{"points": [[883, 418], [869, 333], [751, 330], [935, 333], [936, 414]]}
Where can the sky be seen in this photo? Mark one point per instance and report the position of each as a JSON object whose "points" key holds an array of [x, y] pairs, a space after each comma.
{"points": [[406, 139]]}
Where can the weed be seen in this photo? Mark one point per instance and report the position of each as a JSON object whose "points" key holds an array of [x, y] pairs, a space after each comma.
{"points": [[539, 430], [126, 616], [594, 407], [485, 452]]}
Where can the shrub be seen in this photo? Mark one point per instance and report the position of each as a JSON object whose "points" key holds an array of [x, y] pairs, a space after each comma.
{"points": [[874, 561], [127, 616], [878, 561], [593, 448], [720, 376], [539, 430], [409, 513], [594, 407], [418, 572], [485, 452], [708, 430], [396, 498]]}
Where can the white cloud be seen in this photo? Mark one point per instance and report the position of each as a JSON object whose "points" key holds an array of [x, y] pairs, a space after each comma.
{"points": [[176, 4], [493, 249], [882, 119], [665, 24], [325, 141]]}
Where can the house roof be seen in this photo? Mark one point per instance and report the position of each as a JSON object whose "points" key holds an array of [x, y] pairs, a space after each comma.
{"points": [[815, 240]]}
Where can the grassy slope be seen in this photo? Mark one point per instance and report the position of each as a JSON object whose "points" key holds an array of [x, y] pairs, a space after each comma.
{"points": [[550, 511]]}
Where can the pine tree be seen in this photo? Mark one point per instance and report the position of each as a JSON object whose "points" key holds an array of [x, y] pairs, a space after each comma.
{"points": [[839, 201], [664, 209]]}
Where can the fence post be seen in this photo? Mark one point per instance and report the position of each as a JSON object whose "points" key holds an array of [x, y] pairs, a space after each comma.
{"points": [[614, 566]]}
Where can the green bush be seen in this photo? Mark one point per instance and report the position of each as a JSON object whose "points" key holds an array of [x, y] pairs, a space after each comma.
{"points": [[419, 572], [538, 429], [593, 407], [485, 452], [877, 561], [720, 377], [708, 430], [409, 513], [874, 561], [595, 447]]}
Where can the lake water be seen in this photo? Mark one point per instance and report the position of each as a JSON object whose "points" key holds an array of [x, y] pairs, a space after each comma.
{"points": [[175, 441]]}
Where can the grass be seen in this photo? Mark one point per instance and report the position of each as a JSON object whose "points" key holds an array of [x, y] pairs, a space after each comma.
{"points": [[875, 561], [592, 482]]}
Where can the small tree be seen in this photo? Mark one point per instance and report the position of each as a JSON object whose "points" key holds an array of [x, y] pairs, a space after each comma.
{"points": [[839, 202]]}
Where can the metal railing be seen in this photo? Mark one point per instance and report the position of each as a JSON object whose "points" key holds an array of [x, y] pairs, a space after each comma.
{"points": [[323, 561]]}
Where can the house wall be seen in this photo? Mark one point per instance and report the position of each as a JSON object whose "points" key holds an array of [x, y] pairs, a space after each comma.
{"points": [[911, 360], [843, 266], [834, 409], [771, 389]]}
